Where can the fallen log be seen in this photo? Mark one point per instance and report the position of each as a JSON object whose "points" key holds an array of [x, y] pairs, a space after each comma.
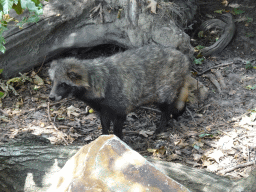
{"points": [[68, 24]]}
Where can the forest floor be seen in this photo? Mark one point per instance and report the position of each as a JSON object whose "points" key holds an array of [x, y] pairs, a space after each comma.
{"points": [[218, 135]]}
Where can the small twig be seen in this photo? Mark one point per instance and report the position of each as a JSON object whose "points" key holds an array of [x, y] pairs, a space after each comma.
{"points": [[61, 101], [238, 166], [214, 67], [239, 117], [54, 126], [156, 110], [131, 132], [48, 111], [191, 116], [201, 108], [6, 114], [41, 66]]}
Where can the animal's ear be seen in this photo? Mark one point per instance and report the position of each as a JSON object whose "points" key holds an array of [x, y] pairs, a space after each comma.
{"points": [[74, 76]]}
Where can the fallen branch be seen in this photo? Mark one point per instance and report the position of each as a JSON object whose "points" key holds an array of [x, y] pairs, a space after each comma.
{"points": [[238, 166], [214, 67], [151, 109]]}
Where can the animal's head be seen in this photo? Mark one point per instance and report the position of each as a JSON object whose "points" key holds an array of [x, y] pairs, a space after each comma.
{"points": [[69, 77]]}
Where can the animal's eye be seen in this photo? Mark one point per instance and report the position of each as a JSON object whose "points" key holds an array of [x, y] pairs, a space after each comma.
{"points": [[74, 76]]}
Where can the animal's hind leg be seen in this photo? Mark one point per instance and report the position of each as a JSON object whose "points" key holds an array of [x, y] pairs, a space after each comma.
{"points": [[105, 122], [165, 117], [118, 126]]}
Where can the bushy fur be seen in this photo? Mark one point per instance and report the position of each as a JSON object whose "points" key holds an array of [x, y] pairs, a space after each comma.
{"points": [[114, 86]]}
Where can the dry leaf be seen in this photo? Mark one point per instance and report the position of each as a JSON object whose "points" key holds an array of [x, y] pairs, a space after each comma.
{"points": [[151, 150], [88, 138], [216, 155], [36, 79], [152, 5], [146, 133], [173, 157], [72, 111], [197, 157]]}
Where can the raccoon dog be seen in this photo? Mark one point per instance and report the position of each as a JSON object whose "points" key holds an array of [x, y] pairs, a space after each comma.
{"points": [[116, 85]]}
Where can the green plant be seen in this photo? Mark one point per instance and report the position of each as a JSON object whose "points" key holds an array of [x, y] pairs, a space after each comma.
{"points": [[248, 65], [199, 47], [35, 9], [250, 34], [249, 20], [200, 34], [198, 61], [237, 11], [251, 87]]}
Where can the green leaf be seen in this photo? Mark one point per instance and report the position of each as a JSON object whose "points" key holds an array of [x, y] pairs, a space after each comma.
{"points": [[198, 61], [237, 11], [250, 34], [249, 19], [1, 71], [1, 94], [196, 147], [201, 34], [2, 48], [17, 8], [199, 47], [33, 19], [7, 5], [251, 87], [248, 65], [37, 2], [31, 6]]}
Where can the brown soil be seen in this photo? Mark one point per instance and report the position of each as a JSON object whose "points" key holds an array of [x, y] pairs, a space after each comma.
{"points": [[218, 135]]}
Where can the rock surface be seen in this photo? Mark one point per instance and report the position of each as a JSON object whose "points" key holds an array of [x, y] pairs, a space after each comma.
{"points": [[108, 164]]}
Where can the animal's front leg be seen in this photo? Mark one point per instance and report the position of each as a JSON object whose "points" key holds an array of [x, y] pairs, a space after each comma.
{"points": [[105, 122], [118, 126]]}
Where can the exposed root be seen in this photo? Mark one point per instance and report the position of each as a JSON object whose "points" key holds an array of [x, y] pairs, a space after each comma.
{"points": [[220, 78], [214, 81], [97, 9]]}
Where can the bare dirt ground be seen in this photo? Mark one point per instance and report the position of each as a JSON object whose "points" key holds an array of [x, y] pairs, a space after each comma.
{"points": [[218, 134]]}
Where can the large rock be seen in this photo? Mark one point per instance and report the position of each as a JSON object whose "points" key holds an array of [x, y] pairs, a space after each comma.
{"points": [[108, 164]]}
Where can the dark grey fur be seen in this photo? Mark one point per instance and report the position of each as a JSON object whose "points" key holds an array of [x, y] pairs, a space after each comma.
{"points": [[114, 86]]}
